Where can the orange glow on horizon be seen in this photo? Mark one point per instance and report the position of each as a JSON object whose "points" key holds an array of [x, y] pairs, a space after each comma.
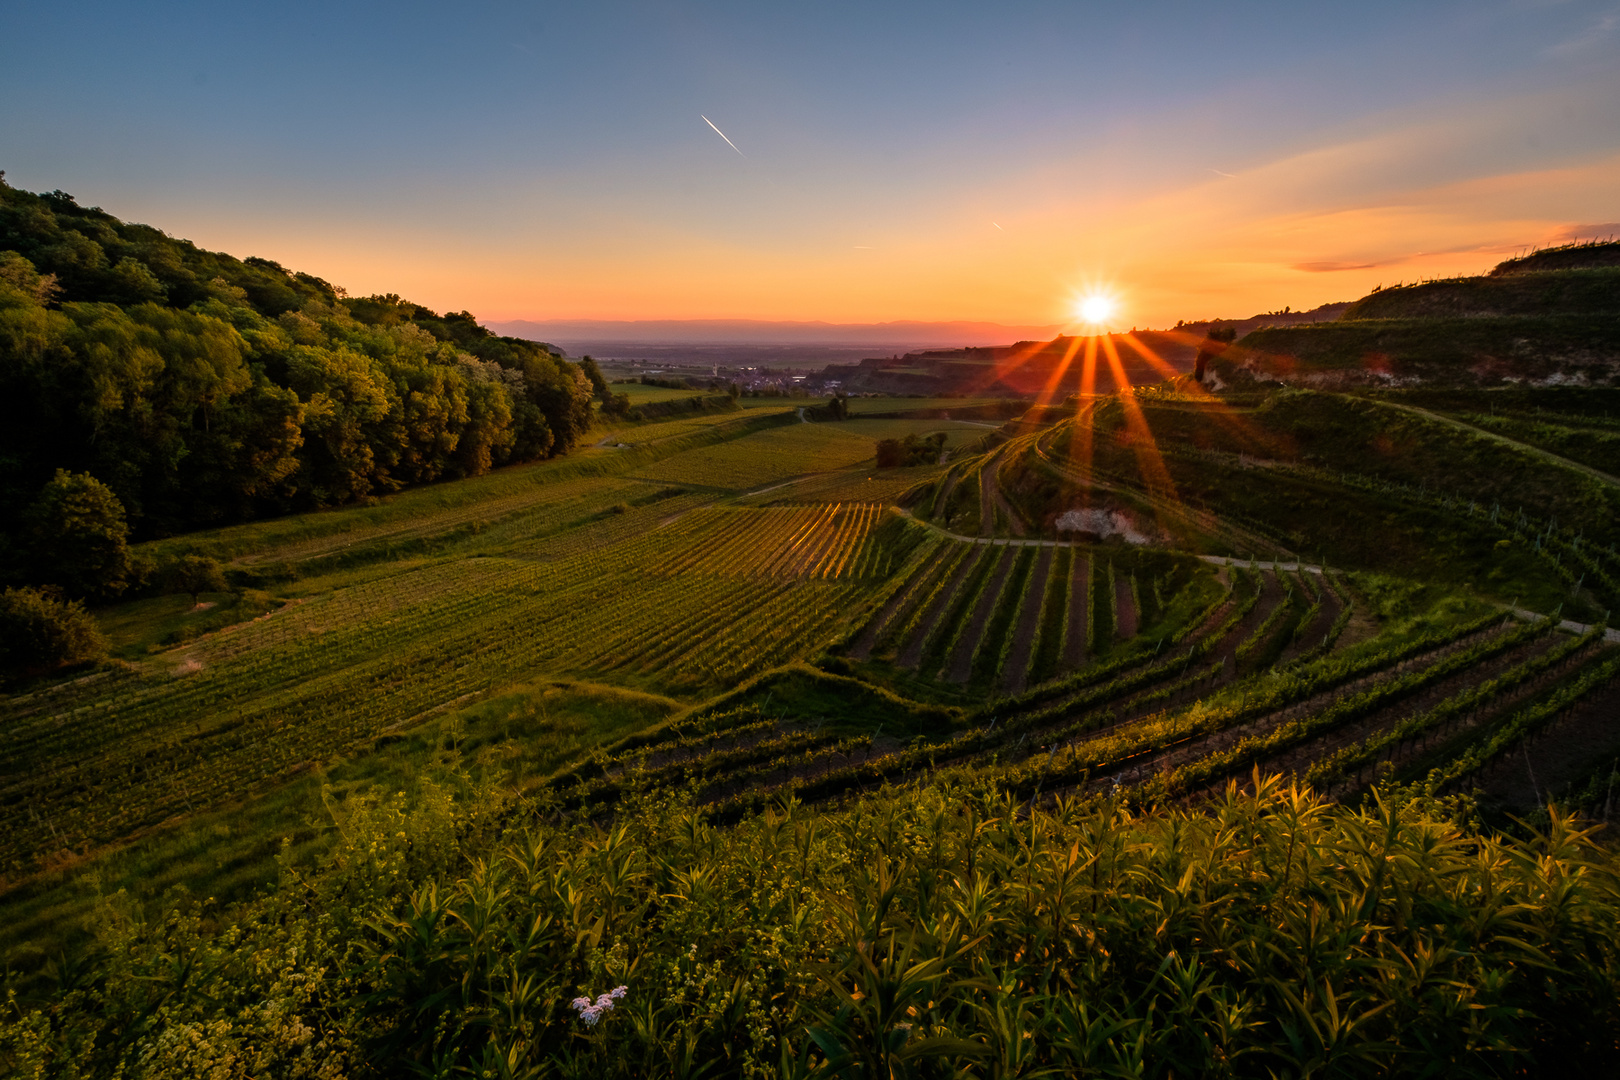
{"points": [[1222, 248]]}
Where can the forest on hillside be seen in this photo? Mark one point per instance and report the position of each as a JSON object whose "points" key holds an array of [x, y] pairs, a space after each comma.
{"points": [[151, 386]]}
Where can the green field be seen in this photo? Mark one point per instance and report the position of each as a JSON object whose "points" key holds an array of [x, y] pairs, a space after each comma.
{"points": [[640, 394], [767, 458], [397, 693]]}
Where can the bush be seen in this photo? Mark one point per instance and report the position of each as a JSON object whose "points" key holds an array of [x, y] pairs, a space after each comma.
{"points": [[39, 634], [194, 574], [898, 453], [79, 536]]}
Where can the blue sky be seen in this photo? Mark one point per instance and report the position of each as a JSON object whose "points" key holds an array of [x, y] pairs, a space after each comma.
{"points": [[898, 160]]}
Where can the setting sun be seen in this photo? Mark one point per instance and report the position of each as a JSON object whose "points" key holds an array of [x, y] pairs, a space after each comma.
{"points": [[1095, 309]]}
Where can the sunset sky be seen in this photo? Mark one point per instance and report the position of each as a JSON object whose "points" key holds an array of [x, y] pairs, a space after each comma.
{"points": [[927, 161]]}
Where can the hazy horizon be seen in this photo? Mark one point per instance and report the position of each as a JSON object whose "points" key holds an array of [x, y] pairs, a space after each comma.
{"points": [[897, 334]]}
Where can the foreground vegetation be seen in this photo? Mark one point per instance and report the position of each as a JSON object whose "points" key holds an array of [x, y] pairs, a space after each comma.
{"points": [[925, 931]]}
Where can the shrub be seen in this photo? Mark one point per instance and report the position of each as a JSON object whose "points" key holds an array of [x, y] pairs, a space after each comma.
{"points": [[194, 574], [80, 537], [39, 633]]}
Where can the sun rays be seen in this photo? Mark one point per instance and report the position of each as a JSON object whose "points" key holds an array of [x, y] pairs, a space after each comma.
{"points": [[1069, 368]]}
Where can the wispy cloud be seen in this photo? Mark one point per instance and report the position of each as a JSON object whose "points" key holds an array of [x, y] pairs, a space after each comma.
{"points": [[1603, 230], [1596, 33], [1330, 267]]}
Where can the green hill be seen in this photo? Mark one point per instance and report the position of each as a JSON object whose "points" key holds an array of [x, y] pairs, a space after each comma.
{"points": [[1576, 256], [202, 389], [1542, 293], [1548, 319]]}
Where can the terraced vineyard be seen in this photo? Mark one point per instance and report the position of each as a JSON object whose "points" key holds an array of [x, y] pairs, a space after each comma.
{"points": [[815, 640], [709, 599], [1086, 668], [1177, 724]]}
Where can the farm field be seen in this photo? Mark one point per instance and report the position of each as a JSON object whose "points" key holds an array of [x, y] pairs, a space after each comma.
{"points": [[868, 484], [864, 406], [958, 433], [757, 460], [742, 591], [586, 635], [641, 569], [640, 394], [780, 454], [657, 431]]}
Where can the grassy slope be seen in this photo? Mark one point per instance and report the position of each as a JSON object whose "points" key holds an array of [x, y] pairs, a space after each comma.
{"points": [[1435, 348], [1591, 291], [1558, 324], [454, 509], [1360, 483]]}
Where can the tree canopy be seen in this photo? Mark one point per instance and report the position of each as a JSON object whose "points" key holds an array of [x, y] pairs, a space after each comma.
{"points": [[202, 389]]}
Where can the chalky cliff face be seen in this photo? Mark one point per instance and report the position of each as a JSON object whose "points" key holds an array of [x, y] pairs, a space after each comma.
{"points": [[1100, 525]]}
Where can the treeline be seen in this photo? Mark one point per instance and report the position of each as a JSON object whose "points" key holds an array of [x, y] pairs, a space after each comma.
{"points": [[185, 388]]}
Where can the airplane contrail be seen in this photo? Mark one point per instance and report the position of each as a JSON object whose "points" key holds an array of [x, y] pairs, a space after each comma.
{"points": [[722, 134], [998, 226], [1217, 172]]}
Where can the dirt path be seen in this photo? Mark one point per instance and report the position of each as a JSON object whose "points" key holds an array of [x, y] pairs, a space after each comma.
{"points": [[1536, 770], [1193, 748], [1016, 677], [961, 662], [911, 655], [1074, 640], [991, 499], [903, 598], [1545, 455], [1309, 637], [1125, 612]]}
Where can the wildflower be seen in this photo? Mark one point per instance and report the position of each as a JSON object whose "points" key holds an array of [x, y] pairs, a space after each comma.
{"points": [[592, 1012]]}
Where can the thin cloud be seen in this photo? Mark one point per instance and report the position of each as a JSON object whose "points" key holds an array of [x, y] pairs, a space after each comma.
{"points": [[1594, 35], [1600, 231], [1329, 267]]}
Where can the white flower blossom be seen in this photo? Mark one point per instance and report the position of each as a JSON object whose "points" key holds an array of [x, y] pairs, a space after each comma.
{"points": [[592, 1012]]}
